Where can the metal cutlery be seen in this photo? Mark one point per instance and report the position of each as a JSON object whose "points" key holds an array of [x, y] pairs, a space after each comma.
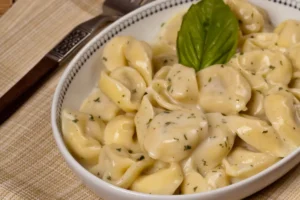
{"points": [[70, 45]]}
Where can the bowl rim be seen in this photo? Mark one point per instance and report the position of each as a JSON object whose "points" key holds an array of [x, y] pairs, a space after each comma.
{"points": [[112, 188]]}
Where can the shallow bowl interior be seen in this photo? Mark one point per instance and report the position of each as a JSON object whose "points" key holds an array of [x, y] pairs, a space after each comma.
{"points": [[83, 72]]}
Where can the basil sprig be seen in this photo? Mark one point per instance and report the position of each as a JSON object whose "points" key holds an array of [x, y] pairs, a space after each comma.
{"points": [[208, 35]]}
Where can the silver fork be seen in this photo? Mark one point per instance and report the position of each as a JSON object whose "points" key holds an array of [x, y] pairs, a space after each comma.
{"points": [[112, 10], [77, 38]]}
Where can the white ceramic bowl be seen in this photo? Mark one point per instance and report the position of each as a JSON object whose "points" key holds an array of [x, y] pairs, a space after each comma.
{"points": [[83, 72]]}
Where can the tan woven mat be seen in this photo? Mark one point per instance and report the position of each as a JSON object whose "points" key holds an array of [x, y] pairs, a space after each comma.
{"points": [[31, 166]]}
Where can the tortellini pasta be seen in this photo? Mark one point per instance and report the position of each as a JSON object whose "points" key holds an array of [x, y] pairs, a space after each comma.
{"points": [[223, 89], [242, 163], [209, 153], [157, 166], [164, 51], [142, 118], [256, 132], [164, 59], [124, 86], [113, 53], [126, 51], [119, 166], [96, 102], [264, 68], [139, 56], [173, 135], [295, 87], [289, 33], [83, 135], [249, 16], [255, 106], [283, 113], [293, 54], [164, 181], [217, 178], [195, 182], [121, 130], [154, 126], [169, 31], [174, 87], [259, 41]]}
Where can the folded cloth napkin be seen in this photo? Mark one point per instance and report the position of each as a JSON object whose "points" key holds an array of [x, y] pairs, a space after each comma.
{"points": [[31, 166]]}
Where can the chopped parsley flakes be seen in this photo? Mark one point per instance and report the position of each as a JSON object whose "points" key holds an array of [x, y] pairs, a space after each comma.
{"points": [[185, 137], [195, 188], [92, 118], [192, 116], [97, 100], [169, 88], [149, 122], [187, 147], [169, 123], [141, 158]]}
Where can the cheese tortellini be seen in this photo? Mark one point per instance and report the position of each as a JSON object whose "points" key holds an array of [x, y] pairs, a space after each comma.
{"points": [[242, 163], [121, 130], [255, 106], [209, 153], [172, 135], [174, 87], [124, 86], [166, 181], [223, 89], [289, 33], [256, 132], [120, 166], [127, 51], [284, 114], [264, 68], [259, 41], [293, 54], [195, 182], [250, 18], [96, 102], [154, 126], [83, 134], [169, 30]]}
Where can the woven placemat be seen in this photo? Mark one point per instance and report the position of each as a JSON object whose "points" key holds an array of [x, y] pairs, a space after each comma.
{"points": [[31, 166]]}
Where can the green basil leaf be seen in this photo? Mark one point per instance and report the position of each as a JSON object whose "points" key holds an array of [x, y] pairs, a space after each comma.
{"points": [[208, 35]]}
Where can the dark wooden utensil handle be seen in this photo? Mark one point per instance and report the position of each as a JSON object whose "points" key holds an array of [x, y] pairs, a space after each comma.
{"points": [[7, 101]]}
